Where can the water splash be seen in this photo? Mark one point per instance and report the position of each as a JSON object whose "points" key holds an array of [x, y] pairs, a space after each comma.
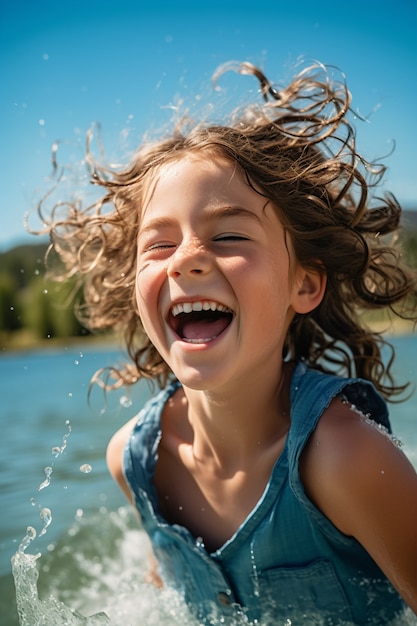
{"points": [[366, 418], [104, 579], [32, 610], [384, 431], [46, 518], [57, 450], [125, 402], [27, 539], [48, 473], [86, 572], [256, 591]]}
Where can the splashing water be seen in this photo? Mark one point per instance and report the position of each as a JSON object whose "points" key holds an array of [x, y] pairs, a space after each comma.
{"points": [[57, 450], [33, 611], [106, 569], [96, 574], [46, 517], [36, 612], [48, 473], [98, 577], [99, 570]]}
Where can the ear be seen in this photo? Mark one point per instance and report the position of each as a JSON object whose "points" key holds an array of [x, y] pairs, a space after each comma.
{"points": [[308, 290]]}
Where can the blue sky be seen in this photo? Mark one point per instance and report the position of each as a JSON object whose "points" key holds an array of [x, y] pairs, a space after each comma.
{"points": [[122, 64]]}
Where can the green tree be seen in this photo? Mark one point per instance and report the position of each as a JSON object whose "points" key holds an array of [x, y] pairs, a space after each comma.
{"points": [[10, 313]]}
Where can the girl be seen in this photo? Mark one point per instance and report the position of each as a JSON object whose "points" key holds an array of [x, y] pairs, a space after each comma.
{"points": [[239, 260]]}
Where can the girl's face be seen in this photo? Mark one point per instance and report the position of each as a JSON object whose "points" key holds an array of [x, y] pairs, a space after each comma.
{"points": [[216, 285]]}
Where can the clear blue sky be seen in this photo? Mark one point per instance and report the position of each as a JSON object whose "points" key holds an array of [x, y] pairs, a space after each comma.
{"points": [[121, 63]]}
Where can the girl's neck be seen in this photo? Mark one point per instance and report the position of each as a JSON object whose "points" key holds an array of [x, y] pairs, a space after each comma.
{"points": [[230, 429]]}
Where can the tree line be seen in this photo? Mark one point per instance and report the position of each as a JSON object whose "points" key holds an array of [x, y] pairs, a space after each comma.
{"points": [[37, 308], [30, 305]]}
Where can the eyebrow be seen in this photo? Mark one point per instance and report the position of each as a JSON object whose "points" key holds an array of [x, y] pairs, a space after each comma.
{"points": [[209, 215]]}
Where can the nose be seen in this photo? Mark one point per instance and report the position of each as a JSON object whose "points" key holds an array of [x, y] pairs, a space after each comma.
{"points": [[189, 258]]}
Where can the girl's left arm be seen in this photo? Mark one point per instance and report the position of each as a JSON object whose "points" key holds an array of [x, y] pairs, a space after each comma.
{"points": [[363, 482]]}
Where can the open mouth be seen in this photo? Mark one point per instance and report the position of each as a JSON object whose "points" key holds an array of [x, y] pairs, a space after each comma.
{"points": [[201, 321]]}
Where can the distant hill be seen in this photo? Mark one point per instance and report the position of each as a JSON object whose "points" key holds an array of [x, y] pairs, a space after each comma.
{"points": [[409, 220]]}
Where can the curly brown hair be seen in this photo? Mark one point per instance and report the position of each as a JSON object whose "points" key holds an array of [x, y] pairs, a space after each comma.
{"points": [[297, 148]]}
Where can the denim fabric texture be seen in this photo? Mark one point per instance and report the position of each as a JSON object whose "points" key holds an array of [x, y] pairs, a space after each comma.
{"points": [[287, 561]]}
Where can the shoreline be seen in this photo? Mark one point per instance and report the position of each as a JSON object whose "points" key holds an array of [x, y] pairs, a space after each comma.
{"points": [[25, 343], [22, 341]]}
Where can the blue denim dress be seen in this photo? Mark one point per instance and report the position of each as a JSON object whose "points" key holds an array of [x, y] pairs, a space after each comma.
{"points": [[287, 561]]}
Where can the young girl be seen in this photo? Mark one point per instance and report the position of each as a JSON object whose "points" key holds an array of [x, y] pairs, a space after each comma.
{"points": [[239, 260]]}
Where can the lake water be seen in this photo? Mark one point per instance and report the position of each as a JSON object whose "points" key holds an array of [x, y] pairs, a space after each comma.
{"points": [[54, 479]]}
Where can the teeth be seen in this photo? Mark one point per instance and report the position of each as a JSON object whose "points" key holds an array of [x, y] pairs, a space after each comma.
{"points": [[206, 305]]}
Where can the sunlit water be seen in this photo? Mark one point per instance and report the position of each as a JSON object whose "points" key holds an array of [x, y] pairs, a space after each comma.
{"points": [[78, 555]]}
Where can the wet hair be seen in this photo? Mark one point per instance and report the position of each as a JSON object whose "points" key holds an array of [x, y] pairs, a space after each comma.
{"points": [[296, 147]]}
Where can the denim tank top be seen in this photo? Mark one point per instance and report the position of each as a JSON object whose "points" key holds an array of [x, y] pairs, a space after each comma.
{"points": [[287, 561]]}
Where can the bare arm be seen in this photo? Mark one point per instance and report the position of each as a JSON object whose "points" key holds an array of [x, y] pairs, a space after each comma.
{"points": [[367, 487], [114, 456], [114, 462]]}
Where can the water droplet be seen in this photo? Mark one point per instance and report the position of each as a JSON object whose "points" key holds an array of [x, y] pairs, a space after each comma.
{"points": [[48, 472], [33, 501], [46, 517], [41, 122], [256, 591], [384, 431], [76, 362], [57, 450], [199, 542], [27, 539], [70, 394], [125, 402], [85, 468]]}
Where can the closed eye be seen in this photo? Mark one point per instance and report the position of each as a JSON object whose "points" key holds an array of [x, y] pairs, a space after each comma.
{"points": [[231, 237], [159, 246]]}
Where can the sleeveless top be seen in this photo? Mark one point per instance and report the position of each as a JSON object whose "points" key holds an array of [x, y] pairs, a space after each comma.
{"points": [[287, 561]]}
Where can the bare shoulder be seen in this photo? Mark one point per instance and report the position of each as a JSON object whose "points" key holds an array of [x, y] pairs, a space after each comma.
{"points": [[349, 456], [114, 455], [363, 482], [117, 444]]}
